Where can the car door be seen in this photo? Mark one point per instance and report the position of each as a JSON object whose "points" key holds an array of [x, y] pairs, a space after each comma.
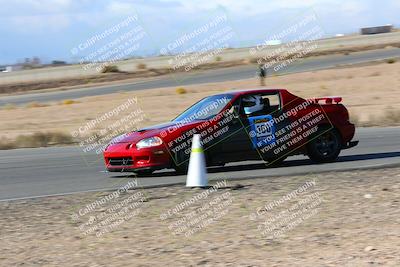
{"points": [[253, 135], [238, 144]]}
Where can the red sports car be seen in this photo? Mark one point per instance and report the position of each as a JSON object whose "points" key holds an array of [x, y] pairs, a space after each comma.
{"points": [[259, 124]]}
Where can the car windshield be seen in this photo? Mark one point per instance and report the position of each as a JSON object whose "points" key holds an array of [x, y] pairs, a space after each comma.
{"points": [[205, 109]]}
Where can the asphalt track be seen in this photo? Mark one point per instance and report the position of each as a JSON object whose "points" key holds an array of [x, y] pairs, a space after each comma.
{"points": [[219, 75], [27, 173]]}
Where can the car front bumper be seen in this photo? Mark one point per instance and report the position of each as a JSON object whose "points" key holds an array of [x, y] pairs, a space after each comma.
{"points": [[120, 158]]}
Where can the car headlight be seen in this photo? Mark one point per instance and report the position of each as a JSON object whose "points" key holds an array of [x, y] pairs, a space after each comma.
{"points": [[149, 142]]}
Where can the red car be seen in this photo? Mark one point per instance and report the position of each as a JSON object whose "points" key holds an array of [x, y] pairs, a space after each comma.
{"points": [[266, 124]]}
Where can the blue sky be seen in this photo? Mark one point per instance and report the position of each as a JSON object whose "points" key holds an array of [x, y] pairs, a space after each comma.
{"points": [[49, 29]]}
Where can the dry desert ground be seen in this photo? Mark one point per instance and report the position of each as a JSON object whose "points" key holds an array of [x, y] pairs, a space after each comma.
{"points": [[330, 219]]}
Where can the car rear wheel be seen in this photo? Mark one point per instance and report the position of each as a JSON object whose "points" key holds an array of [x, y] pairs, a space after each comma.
{"points": [[325, 146]]}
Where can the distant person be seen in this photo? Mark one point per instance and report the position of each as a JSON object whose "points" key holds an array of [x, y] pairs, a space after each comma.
{"points": [[262, 73]]}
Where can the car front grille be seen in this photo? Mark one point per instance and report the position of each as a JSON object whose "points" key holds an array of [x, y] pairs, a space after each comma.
{"points": [[126, 161]]}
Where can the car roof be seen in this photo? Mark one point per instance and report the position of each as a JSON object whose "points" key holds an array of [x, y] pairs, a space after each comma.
{"points": [[254, 91]]}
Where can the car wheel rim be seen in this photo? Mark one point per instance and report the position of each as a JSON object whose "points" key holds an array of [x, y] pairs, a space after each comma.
{"points": [[326, 144]]}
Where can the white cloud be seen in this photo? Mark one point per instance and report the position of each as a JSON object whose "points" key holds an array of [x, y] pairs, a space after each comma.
{"points": [[44, 23], [118, 7], [352, 7], [245, 8], [164, 18], [43, 6]]}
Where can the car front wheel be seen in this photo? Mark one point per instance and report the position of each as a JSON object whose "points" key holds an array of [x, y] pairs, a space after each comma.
{"points": [[146, 172], [181, 163]]}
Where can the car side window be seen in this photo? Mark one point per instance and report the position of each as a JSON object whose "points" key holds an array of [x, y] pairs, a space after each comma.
{"points": [[272, 103], [259, 104]]}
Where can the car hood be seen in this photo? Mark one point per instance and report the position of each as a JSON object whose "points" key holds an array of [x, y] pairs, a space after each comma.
{"points": [[156, 130]]}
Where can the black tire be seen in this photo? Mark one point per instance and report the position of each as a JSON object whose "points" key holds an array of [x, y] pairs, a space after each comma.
{"points": [[181, 169], [325, 146], [181, 164], [144, 172]]}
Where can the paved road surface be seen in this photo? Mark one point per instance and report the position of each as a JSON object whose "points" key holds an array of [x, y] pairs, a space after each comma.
{"points": [[27, 173], [220, 75]]}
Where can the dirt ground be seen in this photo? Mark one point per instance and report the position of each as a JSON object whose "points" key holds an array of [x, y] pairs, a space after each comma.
{"points": [[332, 219], [370, 92]]}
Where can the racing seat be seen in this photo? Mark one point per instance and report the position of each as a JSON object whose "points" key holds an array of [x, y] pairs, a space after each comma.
{"points": [[267, 106], [264, 111]]}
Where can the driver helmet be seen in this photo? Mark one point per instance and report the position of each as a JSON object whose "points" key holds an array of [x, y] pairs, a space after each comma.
{"points": [[252, 104]]}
